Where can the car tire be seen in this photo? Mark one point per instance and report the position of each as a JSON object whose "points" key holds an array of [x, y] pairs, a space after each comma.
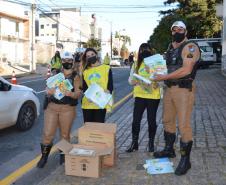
{"points": [[26, 117]]}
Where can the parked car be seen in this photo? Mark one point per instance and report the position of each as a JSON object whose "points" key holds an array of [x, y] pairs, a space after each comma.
{"points": [[207, 55], [19, 105], [115, 62]]}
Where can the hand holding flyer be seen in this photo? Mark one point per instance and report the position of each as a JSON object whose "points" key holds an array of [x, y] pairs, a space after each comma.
{"points": [[60, 84], [156, 64], [96, 94]]}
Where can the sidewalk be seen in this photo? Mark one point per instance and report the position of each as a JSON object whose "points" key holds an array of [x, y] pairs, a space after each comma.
{"points": [[21, 71], [208, 155]]}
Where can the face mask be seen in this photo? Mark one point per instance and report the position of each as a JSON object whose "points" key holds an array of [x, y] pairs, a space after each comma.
{"points": [[178, 37], [92, 60], [145, 54], [67, 65]]}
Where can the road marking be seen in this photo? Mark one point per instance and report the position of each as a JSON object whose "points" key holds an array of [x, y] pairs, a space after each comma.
{"points": [[22, 170], [41, 78], [11, 178]]}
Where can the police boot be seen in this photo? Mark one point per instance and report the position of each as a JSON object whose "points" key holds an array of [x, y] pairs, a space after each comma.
{"points": [[134, 145], [184, 164], [45, 153], [168, 151]]}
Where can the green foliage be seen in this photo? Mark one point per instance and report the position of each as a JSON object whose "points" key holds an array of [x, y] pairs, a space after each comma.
{"points": [[93, 43], [198, 15]]}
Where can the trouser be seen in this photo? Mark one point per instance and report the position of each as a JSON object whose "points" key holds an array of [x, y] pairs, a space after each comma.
{"points": [[178, 102], [94, 115], [58, 115], [139, 106]]}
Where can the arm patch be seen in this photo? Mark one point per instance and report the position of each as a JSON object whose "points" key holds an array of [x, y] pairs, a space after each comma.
{"points": [[191, 51]]}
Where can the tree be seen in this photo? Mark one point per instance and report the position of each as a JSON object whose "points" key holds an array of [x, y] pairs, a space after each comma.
{"points": [[199, 16], [93, 43]]}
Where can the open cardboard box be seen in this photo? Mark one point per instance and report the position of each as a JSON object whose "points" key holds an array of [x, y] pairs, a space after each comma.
{"points": [[86, 161], [99, 134]]}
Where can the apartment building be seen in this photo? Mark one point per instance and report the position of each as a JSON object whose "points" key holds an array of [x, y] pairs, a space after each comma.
{"points": [[14, 34]]}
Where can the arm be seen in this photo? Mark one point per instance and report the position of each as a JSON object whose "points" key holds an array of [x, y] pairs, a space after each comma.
{"points": [[77, 92], [131, 80], [189, 60]]}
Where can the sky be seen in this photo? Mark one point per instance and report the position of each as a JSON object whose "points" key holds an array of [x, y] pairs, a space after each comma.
{"points": [[135, 18]]}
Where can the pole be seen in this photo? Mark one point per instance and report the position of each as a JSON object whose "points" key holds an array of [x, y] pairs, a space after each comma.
{"points": [[111, 40], [32, 64], [223, 65], [0, 40], [80, 34]]}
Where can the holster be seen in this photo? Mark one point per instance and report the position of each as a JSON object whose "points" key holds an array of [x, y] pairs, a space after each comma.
{"points": [[181, 84]]}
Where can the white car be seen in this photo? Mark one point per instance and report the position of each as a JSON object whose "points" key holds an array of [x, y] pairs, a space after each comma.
{"points": [[115, 62], [19, 106]]}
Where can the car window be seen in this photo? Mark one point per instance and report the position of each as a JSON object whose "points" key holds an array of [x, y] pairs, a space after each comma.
{"points": [[206, 48]]}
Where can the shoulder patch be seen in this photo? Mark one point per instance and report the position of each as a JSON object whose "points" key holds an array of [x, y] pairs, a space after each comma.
{"points": [[191, 51]]}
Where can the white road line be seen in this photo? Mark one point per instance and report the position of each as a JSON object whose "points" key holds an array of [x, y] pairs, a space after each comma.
{"points": [[41, 92], [32, 81]]}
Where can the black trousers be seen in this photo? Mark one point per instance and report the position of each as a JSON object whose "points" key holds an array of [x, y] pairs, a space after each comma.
{"points": [[94, 115], [139, 107]]}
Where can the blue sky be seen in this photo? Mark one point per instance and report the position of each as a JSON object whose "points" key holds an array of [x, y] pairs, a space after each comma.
{"points": [[137, 17]]}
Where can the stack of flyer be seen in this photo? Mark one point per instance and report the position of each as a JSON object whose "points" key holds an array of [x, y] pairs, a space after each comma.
{"points": [[60, 84], [159, 166], [96, 94], [82, 152], [142, 79], [156, 64]]}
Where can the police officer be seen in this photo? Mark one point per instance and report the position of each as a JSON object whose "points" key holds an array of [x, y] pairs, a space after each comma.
{"points": [[60, 112], [182, 59], [94, 72]]}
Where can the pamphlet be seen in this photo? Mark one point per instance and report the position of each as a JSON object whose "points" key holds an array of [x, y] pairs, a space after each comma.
{"points": [[60, 84], [142, 79], [96, 94], [159, 166], [82, 152], [156, 64]]}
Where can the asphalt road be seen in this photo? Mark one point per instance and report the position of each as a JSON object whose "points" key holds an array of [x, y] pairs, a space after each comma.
{"points": [[18, 148]]}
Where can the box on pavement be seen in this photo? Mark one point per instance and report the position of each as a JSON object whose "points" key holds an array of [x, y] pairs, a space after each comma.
{"points": [[99, 134], [83, 160]]}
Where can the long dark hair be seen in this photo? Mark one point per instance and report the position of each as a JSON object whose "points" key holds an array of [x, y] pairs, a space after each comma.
{"points": [[84, 61], [143, 47]]}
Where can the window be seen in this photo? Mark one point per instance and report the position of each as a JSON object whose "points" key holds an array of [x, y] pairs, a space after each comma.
{"points": [[54, 25], [47, 34], [52, 34], [47, 25], [42, 34], [42, 26]]}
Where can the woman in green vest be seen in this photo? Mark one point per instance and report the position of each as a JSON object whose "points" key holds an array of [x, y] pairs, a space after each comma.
{"points": [[146, 97], [94, 72]]}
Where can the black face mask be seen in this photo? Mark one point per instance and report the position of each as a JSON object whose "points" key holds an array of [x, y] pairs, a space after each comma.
{"points": [[178, 37], [145, 54], [92, 60], [67, 65]]}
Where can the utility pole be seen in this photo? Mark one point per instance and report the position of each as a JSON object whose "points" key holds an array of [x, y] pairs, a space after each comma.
{"points": [[1, 40], [32, 40], [223, 65], [111, 40], [80, 40]]}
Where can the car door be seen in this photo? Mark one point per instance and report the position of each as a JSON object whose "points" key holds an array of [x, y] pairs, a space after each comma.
{"points": [[6, 99]]}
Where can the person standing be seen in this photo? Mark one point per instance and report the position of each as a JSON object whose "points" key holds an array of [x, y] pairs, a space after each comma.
{"points": [[60, 113], [182, 59], [94, 72], [56, 63], [146, 97]]}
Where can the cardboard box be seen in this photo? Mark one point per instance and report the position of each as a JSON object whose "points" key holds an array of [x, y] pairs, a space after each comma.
{"points": [[85, 161], [99, 134]]}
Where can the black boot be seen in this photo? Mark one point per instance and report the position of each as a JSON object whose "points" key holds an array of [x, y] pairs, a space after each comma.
{"points": [[168, 151], [150, 145], [184, 164], [134, 145], [45, 153]]}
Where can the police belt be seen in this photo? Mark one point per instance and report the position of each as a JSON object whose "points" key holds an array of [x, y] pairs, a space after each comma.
{"points": [[180, 83], [56, 101]]}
